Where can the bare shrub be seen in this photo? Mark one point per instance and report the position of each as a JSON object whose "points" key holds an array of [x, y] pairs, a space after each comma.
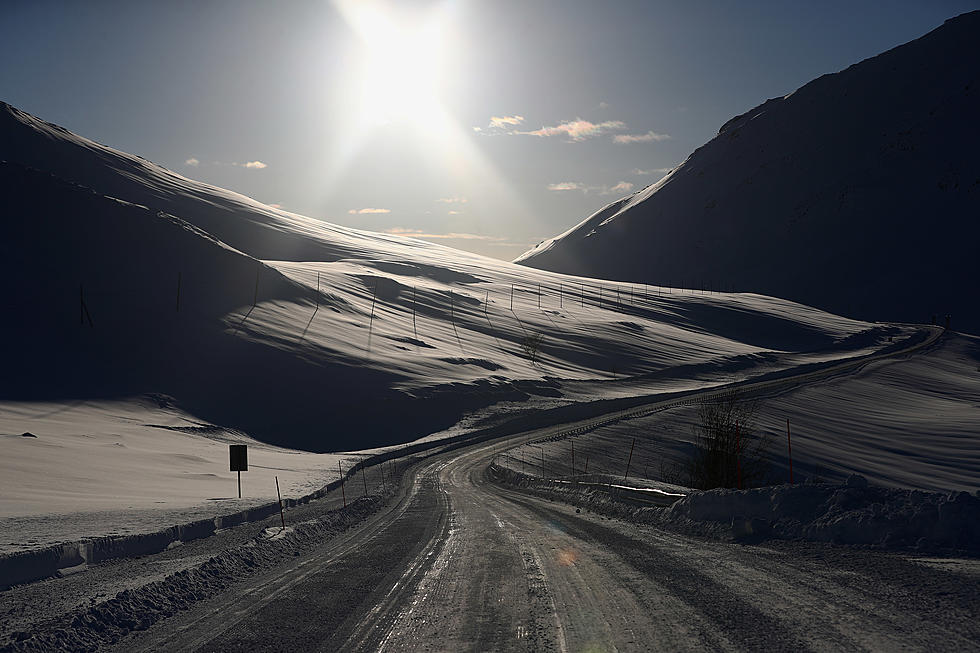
{"points": [[531, 344], [724, 440]]}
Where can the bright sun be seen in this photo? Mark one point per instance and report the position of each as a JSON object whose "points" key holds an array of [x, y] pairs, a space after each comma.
{"points": [[402, 62], [397, 83]]}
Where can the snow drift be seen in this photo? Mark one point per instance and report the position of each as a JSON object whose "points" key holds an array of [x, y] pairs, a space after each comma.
{"points": [[852, 513], [858, 193]]}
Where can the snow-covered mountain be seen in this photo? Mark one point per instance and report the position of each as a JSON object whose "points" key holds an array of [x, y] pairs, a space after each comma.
{"points": [[859, 193], [124, 279]]}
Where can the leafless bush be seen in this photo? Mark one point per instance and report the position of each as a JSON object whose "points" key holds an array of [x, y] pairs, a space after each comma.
{"points": [[531, 344], [727, 449]]}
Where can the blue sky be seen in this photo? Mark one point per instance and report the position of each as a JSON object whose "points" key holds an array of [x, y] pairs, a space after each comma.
{"points": [[486, 126]]}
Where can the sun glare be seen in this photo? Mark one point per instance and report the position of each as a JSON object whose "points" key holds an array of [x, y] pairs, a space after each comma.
{"points": [[401, 62], [398, 87]]}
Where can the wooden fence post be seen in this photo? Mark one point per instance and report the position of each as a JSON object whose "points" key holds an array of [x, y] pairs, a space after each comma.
{"points": [[279, 496], [343, 482], [789, 446], [738, 455], [629, 460], [374, 294], [83, 313]]}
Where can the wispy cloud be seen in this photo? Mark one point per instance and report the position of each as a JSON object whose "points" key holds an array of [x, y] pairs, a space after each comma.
{"points": [[453, 212], [192, 162], [417, 233], [253, 165], [452, 200], [576, 130], [651, 171], [276, 206], [618, 187], [640, 138], [566, 185], [401, 231], [502, 122], [621, 187], [368, 210]]}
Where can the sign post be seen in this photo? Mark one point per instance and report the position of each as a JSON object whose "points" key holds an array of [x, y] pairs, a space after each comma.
{"points": [[238, 454]]}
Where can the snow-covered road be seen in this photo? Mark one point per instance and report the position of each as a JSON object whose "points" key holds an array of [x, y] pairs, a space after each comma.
{"points": [[459, 563]]}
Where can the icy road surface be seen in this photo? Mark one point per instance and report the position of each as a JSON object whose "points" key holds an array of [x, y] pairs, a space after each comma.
{"points": [[458, 563]]}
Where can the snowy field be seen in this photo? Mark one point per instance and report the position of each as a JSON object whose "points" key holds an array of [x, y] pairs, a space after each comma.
{"points": [[118, 467]]}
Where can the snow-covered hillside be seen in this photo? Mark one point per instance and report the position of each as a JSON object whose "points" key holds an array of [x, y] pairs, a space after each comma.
{"points": [[125, 279], [907, 422], [858, 193]]}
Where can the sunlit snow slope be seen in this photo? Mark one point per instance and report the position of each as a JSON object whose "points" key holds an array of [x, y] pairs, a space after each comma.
{"points": [[122, 278], [858, 193]]}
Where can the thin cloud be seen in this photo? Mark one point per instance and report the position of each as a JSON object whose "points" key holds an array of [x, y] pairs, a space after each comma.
{"points": [[276, 206], [503, 122], [192, 162], [257, 165], [464, 236], [452, 200], [621, 187], [368, 210], [454, 212], [640, 138], [618, 187], [507, 243], [576, 130], [566, 185], [651, 171], [417, 233]]}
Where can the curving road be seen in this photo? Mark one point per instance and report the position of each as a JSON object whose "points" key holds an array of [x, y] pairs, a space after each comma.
{"points": [[455, 562], [458, 563]]}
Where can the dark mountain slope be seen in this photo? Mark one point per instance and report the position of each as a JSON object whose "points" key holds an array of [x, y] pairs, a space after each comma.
{"points": [[859, 194]]}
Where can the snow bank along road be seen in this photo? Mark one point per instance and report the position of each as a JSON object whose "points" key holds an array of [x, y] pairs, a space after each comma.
{"points": [[458, 563]]}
